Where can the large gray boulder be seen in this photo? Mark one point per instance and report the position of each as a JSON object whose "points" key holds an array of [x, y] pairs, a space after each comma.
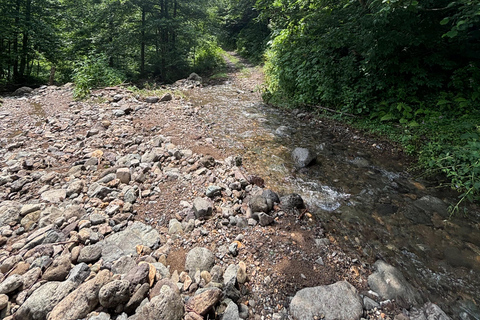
{"points": [[302, 157], [390, 283], [202, 208], [124, 243], [336, 301], [199, 259], [429, 311]]}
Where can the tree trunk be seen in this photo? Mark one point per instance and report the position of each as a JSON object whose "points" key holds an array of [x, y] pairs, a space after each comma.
{"points": [[142, 45], [24, 59], [51, 80], [15, 42]]}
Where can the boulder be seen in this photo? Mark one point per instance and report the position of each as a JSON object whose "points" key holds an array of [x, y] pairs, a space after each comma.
{"points": [[199, 259], [336, 301], [302, 157], [168, 305], [203, 302]]}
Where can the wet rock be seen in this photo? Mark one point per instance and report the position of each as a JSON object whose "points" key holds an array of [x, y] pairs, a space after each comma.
{"points": [[46, 297], [429, 311], [389, 283], [202, 208], [114, 293], [82, 300], [203, 302], [168, 305], [199, 259], [432, 204], [11, 283], [336, 301], [292, 201], [302, 157]]}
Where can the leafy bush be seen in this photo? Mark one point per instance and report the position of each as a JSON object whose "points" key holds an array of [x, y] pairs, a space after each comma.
{"points": [[94, 72], [208, 57]]}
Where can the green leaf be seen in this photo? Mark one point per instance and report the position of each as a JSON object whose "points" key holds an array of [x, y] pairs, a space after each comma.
{"points": [[445, 21], [451, 33]]}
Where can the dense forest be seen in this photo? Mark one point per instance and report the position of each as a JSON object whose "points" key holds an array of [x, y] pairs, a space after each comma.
{"points": [[409, 69]]}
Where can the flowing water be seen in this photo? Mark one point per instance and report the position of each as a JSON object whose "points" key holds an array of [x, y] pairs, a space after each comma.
{"points": [[366, 201]]}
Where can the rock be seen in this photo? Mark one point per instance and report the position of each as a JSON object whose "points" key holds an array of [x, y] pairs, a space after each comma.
{"points": [[429, 311], [242, 273], [194, 77], [258, 204], [230, 274], [138, 275], [270, 195], [302, 157], [336, 301], [231, 312], [3, 301], [9, 214], [203, 302], [90, 253], [264, 219], [100, 316], [213, 191], [22, 91], [114, 293], [389, 283], [59, 269], [137, 298], [202, 208], [123, 265], [432, 204], [124, 243], [166, 97], [54, 196], [45, 298], [151, 99], [97, 219], [79, 303], [199, 259], [292, 201], [123, 174], [11, 283], [369, 304], [168, 305], [174, 226]]}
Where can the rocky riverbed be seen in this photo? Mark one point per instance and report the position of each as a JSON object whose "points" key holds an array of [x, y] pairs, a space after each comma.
{"points": [[123, 206]]}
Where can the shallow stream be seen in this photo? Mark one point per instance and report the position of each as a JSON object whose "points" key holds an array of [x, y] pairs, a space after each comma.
{"points": [[366, 201]]}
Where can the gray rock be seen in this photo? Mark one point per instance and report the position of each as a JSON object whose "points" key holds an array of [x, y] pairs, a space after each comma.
{"points": [[130, 195], [124, 243], [9, 214], [123, 174], [432, 204], [269, 194], [100, 316], [213, 191], [336, 301], [152, 99], [202, 208], [265, 219], [11, 283], [114, 293], [168, 305], [194, 77], [389, 283], [3, 301], [22, 91], [54, 196], [429, 311], [75, 187], [258, 204], [97, 219], [302, 157], [230, 274], [123, 265], [231, 312], [90, 254], [199, 259], [166, 97], [174, 226], [79, 303], [292, 201], [46, 297], [369, 304], [138, 275]]}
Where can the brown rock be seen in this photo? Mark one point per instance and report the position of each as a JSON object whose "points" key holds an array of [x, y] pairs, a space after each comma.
{"points": [[59, 269], [79, 303], [21, 268], [193, 316], [204, 301]]}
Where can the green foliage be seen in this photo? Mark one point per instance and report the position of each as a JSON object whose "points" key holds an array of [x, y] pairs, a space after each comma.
{"points": [[94, 73], [208, 57]]}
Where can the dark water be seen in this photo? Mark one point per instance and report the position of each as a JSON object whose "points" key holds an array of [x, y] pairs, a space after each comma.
{"points": [[368, 202]]}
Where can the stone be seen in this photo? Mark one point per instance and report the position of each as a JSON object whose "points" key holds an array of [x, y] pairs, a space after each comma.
{"points": [[3, 301], [429, 311], [202, 208], [138, 275], [431, 204], [168, 305], [389, 283], [265, 219], [9, 214], [10, 284], [166, 97], [59, 269], [124, 243], [194, 77], [123, 174], [54, 196], [199, 259], [47, 296], [22, 91], [258, 204], [137, 298], [230, 274], [292, 201], [302, 157], [174, 226], [151, 99], [97, 219], [242, 276], [90, 253], [213, 191], [79, 303], [123, 265], [203, 302], [114, 293], [269, 194], [231, 312], [336, 301]]}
